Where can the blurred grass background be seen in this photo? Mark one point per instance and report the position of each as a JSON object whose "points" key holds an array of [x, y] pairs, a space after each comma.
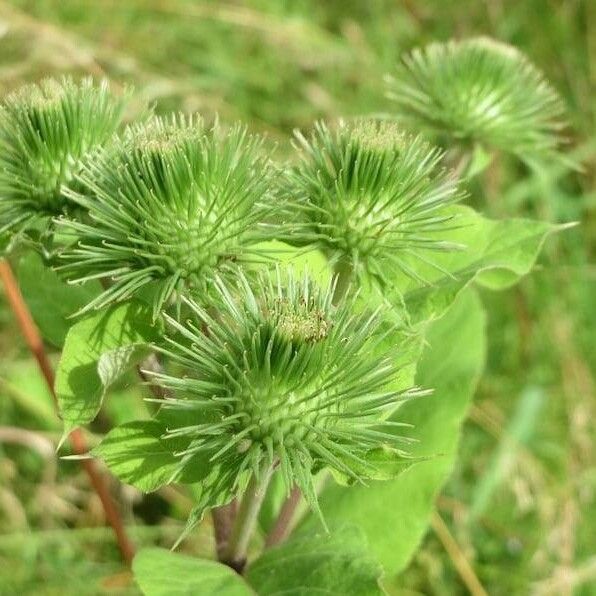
{"points": [[521, 502]]}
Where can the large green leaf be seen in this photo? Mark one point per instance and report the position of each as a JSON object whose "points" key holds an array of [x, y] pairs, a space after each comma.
{"points": [[50, 300], [495, 254], [395, 514], [338, 564], [97, 350], [161, 572]]}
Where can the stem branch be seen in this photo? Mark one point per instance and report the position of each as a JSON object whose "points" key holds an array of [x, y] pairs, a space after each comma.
{"points": [[343, 278], [283, 524], [223, 523], [247, 519]]}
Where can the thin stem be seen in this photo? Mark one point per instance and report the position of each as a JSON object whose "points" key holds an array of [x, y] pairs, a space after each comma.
{"points": [[343, 272], [247, 519], [223, 523], [26, 324], [283, 524], [292, 511], [79, 445], [462, 164]]}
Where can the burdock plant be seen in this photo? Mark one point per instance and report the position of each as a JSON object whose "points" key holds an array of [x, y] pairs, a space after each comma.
{"points": [[285, 370], [46, 133], [374, 199], [269, 383], [279, 379], [169, 204], [478, 90]]}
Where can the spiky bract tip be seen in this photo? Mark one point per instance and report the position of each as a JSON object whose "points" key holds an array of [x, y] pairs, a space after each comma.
{"points": [[170, 205], [478, 90], [371, 197], [46, 132], [281, 377]]}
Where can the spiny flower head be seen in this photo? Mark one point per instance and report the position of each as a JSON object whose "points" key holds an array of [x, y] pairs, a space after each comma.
{"points": [[281, 377], [46, 132], [370, 196], [169, 205], [478, 90]]}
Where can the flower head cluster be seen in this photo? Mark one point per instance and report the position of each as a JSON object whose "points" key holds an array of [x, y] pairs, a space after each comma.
{"points": [[46, 132], [370, 196], [281, 377], [478, 90], [172, 203]]}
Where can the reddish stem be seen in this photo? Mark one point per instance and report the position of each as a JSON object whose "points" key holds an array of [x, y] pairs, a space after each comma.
{"points": [[77, 440], [283, 523], [223, 522]]}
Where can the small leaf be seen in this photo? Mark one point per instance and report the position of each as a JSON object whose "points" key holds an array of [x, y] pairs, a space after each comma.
{"points": [[113, 364], [320, 564], [140, 453], [50, 300], [161, 572], [137, 455], [81, 372], [388, 463]]}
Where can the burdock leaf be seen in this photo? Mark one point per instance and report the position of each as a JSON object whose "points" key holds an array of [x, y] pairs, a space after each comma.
{"points": [[386, 463], [336, 565], [137, 455], [142, 454], [496, 254], [160, 572], [113, 364], [97, 350]]}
